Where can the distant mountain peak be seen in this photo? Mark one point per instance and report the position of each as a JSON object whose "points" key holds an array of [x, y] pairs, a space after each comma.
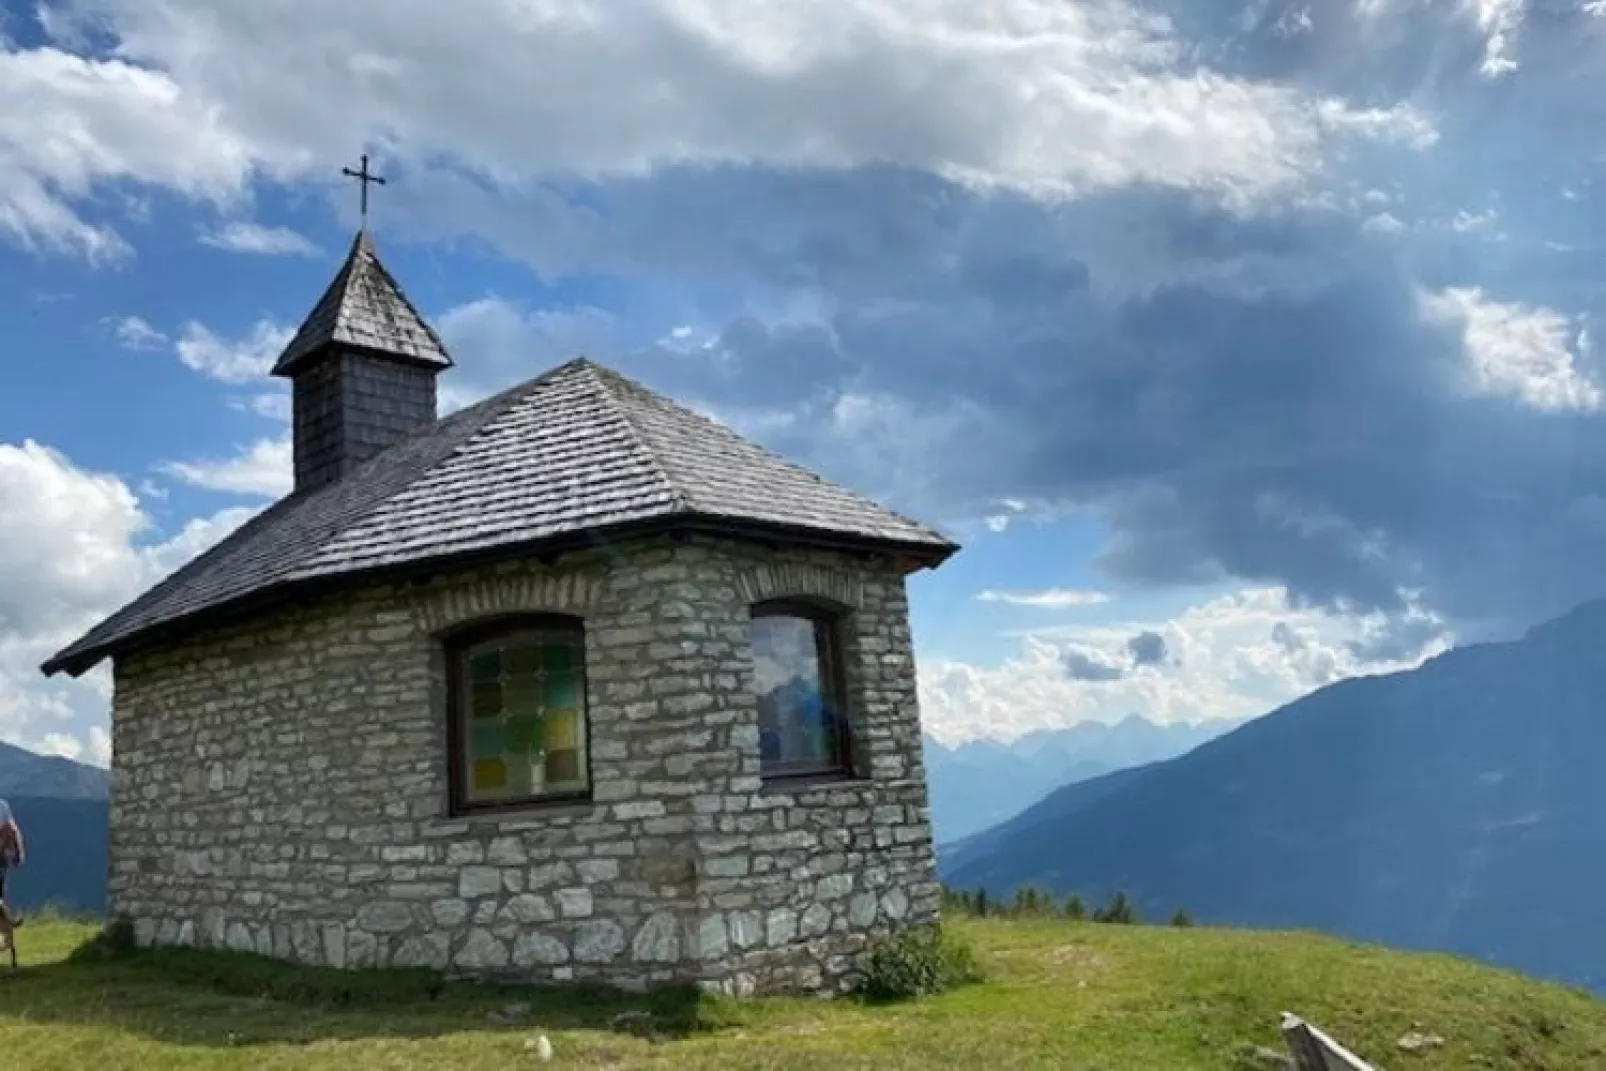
{"points": [[24, 773], [1456, 806], [980, 782]]}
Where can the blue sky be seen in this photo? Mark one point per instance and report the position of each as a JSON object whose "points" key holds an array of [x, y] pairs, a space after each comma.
{"points": [[1259, 338]]}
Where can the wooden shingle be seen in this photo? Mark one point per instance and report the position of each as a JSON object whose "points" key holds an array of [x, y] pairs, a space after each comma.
{"points": [[571, 458], [364, 307]]}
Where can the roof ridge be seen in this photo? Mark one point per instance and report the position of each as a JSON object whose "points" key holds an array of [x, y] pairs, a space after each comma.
{"points": [[605, 378], [396, 288], [333, 295]]}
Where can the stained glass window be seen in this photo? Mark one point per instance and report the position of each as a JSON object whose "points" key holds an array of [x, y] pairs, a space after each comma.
{"points": [[796, 671], [519, 722]]}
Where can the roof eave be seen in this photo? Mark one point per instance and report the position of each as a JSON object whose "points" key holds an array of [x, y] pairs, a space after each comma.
{"points": [[925, 554], [288, 367]]}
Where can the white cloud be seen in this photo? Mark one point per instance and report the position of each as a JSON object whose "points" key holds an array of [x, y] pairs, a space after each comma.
{"points": [[1046, 598], [275, 406], [1528, 352], [1499, 21], [497, 343], [100, 746], [263, 468], [1383, 223], [243, 237], [1400, 124], [68, 747], [1465, 221], [1238, 655], [73, 547], [88, 122], [240, 360], [998, 522], [134, 333], [1035, 95], [65, 535]]}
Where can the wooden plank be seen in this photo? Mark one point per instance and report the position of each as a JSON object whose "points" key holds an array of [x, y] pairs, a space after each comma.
{"points": [[1314, 1051]]}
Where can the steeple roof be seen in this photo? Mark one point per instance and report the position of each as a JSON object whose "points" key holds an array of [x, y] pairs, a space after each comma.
{"points": [[364, 308], [576, 457]]}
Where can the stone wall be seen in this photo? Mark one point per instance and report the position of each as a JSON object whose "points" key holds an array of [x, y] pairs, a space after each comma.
{"points": [[282, 787]]}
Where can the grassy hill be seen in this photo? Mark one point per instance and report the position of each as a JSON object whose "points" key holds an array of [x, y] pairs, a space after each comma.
{"points": [[1059, 995]]}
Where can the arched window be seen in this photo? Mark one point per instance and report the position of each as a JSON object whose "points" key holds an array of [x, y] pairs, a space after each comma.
{"points": [[516, 713], [797, 672]]}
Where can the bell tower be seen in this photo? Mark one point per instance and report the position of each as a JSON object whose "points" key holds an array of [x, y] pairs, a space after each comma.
{"points": [[363, 368]]}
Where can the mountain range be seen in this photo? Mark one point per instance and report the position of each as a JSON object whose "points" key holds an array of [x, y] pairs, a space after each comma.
{"points": [[1459, 806], [22, 773], [61, 806], [980, 783]]}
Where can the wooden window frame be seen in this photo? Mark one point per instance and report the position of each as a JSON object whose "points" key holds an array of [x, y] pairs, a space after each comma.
{"points": [[827, 622], [457, 649]]}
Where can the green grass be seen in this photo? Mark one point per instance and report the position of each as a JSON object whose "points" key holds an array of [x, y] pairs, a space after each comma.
{"points": [[1058, 995]]}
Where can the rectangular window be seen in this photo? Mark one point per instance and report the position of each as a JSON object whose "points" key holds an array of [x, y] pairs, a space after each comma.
{"points": [[797, 671], [518, 724]]}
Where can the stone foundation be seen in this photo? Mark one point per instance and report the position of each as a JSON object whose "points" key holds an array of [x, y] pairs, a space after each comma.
{"points": [[280, 786]]}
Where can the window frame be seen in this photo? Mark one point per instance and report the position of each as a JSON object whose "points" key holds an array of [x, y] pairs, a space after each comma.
{"points": [[829, 647], [457, 648]]}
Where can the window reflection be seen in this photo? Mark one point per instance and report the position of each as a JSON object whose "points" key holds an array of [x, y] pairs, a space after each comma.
{"points": [[799, 716]]}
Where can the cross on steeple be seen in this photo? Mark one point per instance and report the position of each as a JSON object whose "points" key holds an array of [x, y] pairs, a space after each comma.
{"points": [[363, 177]]}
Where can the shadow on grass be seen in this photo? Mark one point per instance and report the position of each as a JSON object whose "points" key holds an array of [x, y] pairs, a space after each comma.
{"points": [[227, 999]]}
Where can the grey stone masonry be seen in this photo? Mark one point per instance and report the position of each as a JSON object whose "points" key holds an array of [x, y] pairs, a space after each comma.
{"points": [[280, 785]]}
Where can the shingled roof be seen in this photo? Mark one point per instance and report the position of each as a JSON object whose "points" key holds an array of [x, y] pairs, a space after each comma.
{"points": [[364, 307], [567, 459]]}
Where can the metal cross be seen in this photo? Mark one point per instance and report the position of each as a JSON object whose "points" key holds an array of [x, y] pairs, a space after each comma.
{"points": [[363, 177]]}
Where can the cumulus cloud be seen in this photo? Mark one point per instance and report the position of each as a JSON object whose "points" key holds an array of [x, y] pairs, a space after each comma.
{"points": [[245, 359], [1398, 639], [1518, 350], [1236, 655], [67, 747], [100, 747], [74, 545], [239, 236], [1499, 20], [90, 122], [1060, 100], [1165, 267], [1383, 223], [67, 534], [1085, 663], [1147, 648], [263, 468], [1267, 399], [1090, 665]]}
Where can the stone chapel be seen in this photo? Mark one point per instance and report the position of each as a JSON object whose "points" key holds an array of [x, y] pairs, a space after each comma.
{"points": [[571, 684]]}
